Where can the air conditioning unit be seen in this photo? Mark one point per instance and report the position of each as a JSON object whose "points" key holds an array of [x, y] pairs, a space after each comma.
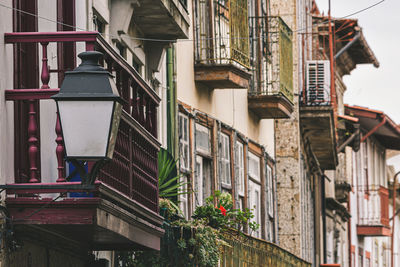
{"points": [[318, 82]]}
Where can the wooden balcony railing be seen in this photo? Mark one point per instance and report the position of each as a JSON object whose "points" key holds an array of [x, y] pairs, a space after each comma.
{"points": [[133, 170], [243, 250], [373, 206]]}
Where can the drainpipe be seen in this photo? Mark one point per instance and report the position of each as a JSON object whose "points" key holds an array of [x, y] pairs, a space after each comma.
{"points": [[394, 217], [347, 46], [332, 68], [349, 229], [171, 105], [375, 128], [323, 216]]}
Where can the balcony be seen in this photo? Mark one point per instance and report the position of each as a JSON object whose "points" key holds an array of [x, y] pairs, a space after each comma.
{"points": [[244, 250], [271, 87], [373, 218], [160, 19], [342, 189], [221, 52], [317, 123], [120, 210]]}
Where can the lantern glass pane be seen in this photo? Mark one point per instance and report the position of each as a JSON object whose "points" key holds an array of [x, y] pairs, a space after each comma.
{"points": [[86, 127]]}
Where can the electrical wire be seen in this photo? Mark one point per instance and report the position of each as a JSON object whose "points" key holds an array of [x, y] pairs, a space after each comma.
{"points": [[347, 16], [178, 40]]}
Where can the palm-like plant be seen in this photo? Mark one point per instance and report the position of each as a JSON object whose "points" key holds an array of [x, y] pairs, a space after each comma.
{"points": [[169, 182]]}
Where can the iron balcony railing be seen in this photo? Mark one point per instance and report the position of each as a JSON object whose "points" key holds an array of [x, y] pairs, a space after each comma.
{"points": [[134, 168], [243, 250], [221, 32], [271, 57]]}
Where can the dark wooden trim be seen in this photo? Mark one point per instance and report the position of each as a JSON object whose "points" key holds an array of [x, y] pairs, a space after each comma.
{"points": [[255, 148], [27, 94], [38, 37]]}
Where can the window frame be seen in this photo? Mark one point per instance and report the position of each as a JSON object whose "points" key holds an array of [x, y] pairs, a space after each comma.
{"points": [[198, 127], [184, 143], [240, 173], [225, 163]]}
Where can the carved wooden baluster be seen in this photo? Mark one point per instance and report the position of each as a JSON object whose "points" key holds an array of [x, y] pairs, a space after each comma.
{"points": [[135, 113], [45, 76], [118, 78], [59, 151], [125, 89], [33, 143], [148, 124], [141, 107]]}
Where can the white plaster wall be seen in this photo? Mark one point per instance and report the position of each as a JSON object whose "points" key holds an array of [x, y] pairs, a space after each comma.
{"points": [[227, 105], [48, 9], [6, 108], [161, 76]]}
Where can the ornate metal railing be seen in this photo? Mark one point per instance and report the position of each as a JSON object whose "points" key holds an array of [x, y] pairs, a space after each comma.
{"points": [[271, 57], [134, 170], [221, 32], [243, 250]]}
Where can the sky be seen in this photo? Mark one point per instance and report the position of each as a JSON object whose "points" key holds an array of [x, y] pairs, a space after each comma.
{"points": [[367, 86]]}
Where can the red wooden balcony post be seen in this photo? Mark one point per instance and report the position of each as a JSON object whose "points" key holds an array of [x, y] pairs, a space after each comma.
{"points": [[59, 151], [89, 46], [45, 76], [33, 143]]}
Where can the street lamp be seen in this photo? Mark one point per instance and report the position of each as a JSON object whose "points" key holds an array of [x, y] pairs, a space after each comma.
{"points": [[89, 108]]}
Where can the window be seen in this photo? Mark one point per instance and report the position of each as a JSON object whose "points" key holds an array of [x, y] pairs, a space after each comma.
{"points": [[255, 189], [270, 192], [254, 167], [224, 161], [255, 201], [239, 173], [203, 144], [184, 142], [121, 50], [183, 198], [99, 24], [203, 179]]}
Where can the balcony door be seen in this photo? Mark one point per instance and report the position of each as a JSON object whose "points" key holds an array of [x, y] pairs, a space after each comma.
{"points": [[26, 76]]}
